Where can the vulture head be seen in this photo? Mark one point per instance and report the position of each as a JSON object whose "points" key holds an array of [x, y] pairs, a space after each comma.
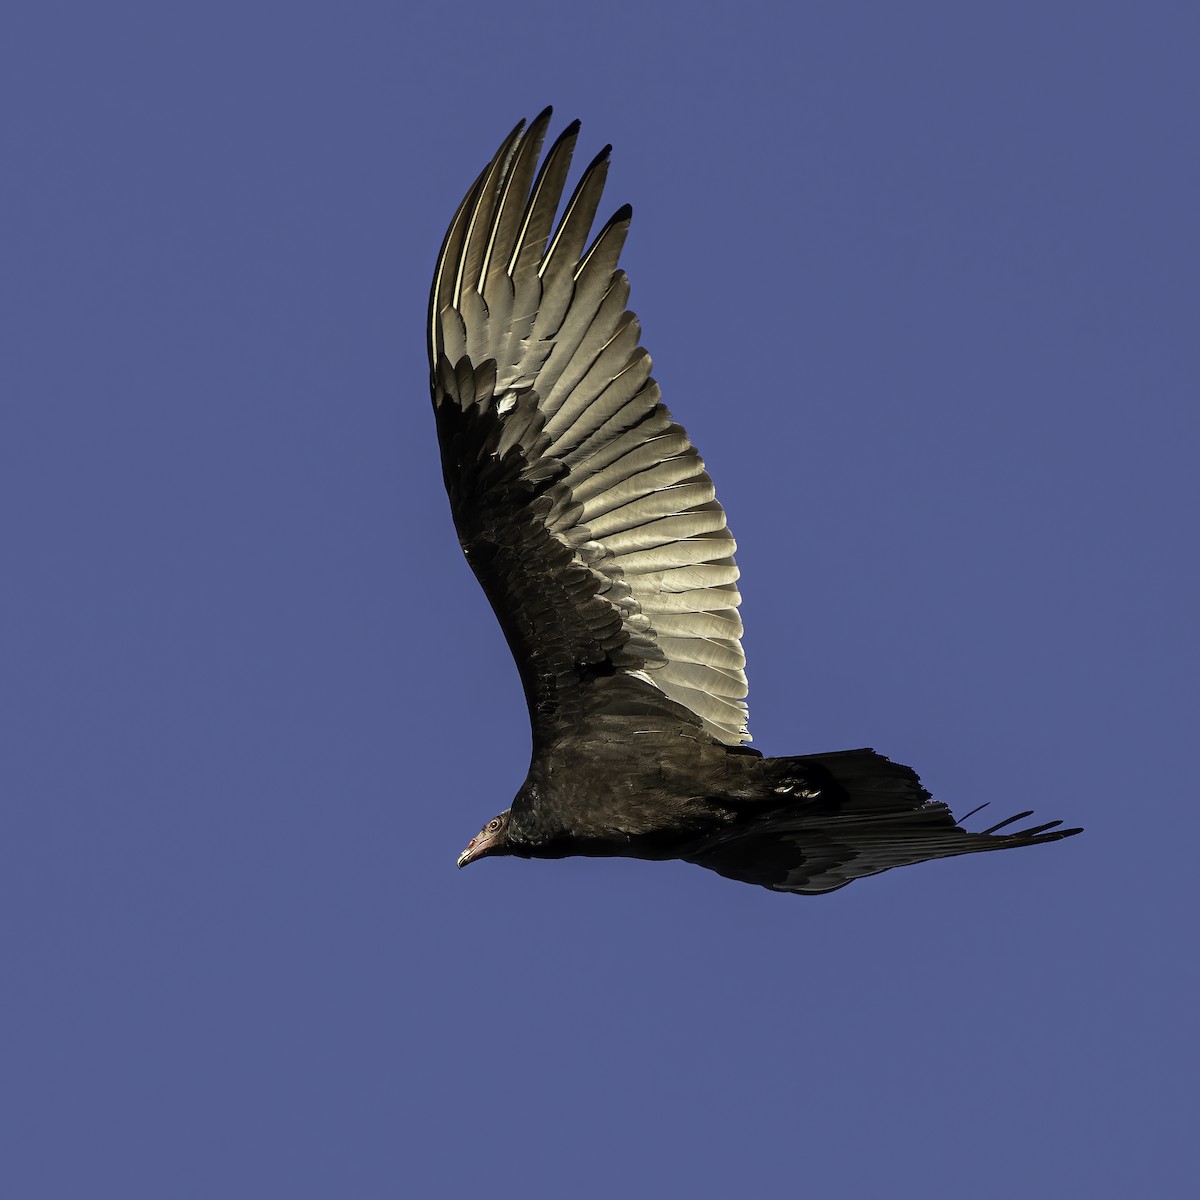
{"points": [[491, 839]]}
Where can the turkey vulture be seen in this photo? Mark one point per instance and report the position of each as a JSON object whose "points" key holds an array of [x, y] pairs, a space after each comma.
{"points": [[592, 525]]}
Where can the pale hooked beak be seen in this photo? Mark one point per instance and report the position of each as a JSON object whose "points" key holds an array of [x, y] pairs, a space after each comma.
{"points": [[482, 843], [477, 847]]}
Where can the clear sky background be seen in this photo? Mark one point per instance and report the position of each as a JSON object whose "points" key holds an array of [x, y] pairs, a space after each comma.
{"points": [[921, 282]]}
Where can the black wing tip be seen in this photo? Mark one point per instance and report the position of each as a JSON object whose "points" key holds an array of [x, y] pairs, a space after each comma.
{"points": [[598, 161], [544, 115], [1048, 831], [564, 143], [569, 134], [1007, 821]]}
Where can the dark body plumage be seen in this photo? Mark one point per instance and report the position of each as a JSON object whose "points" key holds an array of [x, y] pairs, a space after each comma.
{"points": [[594, 529]]}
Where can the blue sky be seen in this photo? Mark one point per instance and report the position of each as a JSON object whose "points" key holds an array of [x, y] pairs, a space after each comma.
{"points": [[919, 280]]}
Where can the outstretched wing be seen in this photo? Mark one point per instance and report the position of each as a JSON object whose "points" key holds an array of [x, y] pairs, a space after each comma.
{"points": [[866, 814], [583, 509]]}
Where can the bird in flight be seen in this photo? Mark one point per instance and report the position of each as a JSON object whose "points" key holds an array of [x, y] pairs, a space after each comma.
{"points": [[590, 521]]}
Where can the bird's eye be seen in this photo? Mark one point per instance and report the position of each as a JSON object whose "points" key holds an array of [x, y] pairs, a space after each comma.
{"points": [[494, 824]]}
